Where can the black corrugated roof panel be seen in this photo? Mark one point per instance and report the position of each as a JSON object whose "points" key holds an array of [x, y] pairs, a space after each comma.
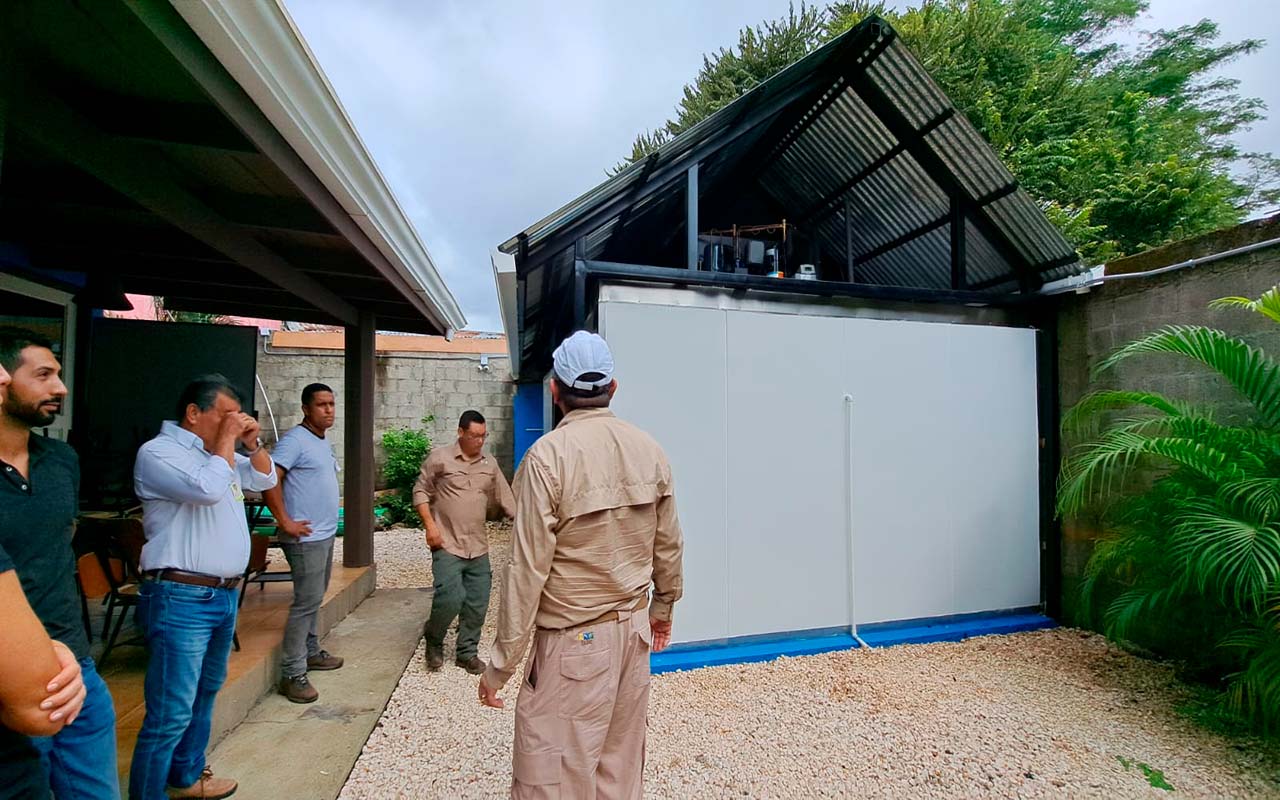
{"points": [[857, 130]]}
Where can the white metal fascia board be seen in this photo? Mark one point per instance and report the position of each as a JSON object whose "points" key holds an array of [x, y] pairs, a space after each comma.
{"points": [[262, 49], [504, 277]]}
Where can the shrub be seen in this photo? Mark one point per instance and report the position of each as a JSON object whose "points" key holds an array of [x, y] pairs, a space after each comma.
{"points": [[405, 450], [1192, 560]]}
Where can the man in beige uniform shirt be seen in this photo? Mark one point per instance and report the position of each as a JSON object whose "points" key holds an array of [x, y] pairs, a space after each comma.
{"points": [[454, 493], [595, 526]]}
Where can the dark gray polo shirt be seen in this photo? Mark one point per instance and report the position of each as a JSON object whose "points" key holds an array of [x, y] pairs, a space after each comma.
{"points": [[37, 520]]}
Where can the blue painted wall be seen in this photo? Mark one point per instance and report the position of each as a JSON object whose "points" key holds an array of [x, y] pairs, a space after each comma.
{"points": [[527, 414]]}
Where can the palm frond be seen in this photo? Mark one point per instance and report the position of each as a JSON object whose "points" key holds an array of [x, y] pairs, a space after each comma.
{"points": [[1257, 497], [1254, 692], [1093, 473], [1245, 367], [1135, 605], [1087, 411], [1267, 305], [1234, 559]]}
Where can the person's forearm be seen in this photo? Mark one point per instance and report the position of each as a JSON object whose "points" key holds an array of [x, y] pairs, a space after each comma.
{"points": [[261, 462], [274, 498], [668, 551], [226, 449], [424, 512], [27, 663]]}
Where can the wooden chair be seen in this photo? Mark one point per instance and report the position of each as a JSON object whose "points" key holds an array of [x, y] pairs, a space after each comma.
{"points": [[117, 547]]}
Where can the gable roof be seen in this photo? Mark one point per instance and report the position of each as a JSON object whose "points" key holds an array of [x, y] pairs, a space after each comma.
{"points": [[856, 146]]}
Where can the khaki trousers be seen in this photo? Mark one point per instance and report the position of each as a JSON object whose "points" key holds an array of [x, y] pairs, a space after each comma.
{"points": [[581, 714]]}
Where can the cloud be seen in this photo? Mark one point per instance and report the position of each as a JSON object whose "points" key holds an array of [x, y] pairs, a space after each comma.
{"points": [[485, 117]]}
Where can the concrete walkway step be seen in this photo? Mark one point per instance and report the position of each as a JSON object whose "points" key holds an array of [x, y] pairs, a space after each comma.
{"points": [[290, 750]]}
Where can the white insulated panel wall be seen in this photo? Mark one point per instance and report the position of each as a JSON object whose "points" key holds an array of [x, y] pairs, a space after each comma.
{"points": [[946, 468], [670, 370], [750, 408]]}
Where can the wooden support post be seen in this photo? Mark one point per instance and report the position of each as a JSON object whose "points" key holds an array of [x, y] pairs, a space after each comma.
{"points": [[357, 548]]}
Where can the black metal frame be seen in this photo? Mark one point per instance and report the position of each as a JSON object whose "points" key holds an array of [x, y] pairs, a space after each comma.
{"points": [[774, 121], [587, 275]]}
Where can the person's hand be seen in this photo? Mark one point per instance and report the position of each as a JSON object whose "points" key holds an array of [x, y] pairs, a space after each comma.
{"points": [[249, 435], [489, 697], [294, 528], [661, 634], [434, 539], [66, 690], [231, 427]]}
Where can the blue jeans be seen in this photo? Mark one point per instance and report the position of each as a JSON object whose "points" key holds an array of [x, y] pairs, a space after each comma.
{"points": [[81, 758], [311, 564], [189, 631]]}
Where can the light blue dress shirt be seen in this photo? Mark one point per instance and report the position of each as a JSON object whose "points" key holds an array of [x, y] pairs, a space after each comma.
{"points": [[193, 504]]}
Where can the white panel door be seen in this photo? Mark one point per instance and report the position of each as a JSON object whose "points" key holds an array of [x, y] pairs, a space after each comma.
{"points": [[945, 476], [670, 367], [788, 546], [996, 462]]}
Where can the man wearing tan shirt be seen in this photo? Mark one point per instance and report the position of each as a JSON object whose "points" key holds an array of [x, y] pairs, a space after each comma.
{"points": [[596, 526], [454, 493]]}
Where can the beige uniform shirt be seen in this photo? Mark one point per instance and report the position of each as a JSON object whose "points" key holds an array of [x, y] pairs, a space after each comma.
{"points": [[461, 493], [595, 526]]}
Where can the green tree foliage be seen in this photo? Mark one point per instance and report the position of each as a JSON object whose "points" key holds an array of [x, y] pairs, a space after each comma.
{"points": [[1124, 147], [1192, 566]]}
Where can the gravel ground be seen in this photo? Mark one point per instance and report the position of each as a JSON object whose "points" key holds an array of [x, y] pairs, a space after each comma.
{"points": [[1058, 713]]}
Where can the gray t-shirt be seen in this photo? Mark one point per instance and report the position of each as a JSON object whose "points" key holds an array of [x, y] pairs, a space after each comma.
{"points": [[310, 481]]}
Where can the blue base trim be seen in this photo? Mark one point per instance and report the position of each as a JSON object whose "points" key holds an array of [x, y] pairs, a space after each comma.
{"points": [[755, 649]]}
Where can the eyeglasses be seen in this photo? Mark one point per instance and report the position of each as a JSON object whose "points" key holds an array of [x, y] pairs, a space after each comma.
{"points": [[475, 437]]}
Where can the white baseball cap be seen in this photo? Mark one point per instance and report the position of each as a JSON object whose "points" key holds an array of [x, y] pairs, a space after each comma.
{"points": [[580, 354]]}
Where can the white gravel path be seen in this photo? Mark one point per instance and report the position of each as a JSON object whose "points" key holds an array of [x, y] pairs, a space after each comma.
{"points": [[1047, 714]]}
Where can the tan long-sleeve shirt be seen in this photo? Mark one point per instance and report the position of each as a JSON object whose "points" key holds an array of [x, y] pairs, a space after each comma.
{"points": [[461, 493], [595, 527]]}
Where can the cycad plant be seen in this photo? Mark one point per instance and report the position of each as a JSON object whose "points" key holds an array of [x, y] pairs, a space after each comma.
{"points": [[1190, 566]]}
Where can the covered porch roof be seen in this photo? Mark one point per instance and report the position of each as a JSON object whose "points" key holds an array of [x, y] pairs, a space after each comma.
{"points": [[197, 152]]}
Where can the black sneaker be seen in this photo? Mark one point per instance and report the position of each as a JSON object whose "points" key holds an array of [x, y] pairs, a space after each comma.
{"points": [[298, 689], [435, 658]]}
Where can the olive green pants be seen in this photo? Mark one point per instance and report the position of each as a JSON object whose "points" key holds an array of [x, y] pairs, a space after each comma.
{"points": [[462, 593]]}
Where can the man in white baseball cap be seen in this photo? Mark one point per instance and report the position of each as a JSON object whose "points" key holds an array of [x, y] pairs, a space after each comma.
{"points": [[595, 528]]}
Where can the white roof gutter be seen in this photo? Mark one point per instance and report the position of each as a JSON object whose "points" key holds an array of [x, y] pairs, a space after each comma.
{"points": [[258, 44], [1081, 284], [504, 276]]}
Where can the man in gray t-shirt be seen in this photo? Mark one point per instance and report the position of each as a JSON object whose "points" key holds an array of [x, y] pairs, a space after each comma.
{"points": [[305, 506]]}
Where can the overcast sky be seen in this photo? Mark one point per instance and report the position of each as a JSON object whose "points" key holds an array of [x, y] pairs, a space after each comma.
{"points": [[486, 116]]}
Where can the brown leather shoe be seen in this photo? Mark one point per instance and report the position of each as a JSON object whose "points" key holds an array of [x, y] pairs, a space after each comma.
{"points": [[323, 661], [435, 658], [207, 788], [473, 665], [298, 689]]}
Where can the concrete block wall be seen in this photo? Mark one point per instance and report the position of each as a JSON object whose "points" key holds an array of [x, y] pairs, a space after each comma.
{"points": [[410, 386], [1093, 325]]}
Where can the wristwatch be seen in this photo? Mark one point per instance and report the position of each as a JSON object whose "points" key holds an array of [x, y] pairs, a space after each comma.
{"points": [[254, 451]]}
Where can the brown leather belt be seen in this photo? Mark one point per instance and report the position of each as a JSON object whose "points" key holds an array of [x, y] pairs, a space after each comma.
{"points": [[608, 616], [192, 578]]}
